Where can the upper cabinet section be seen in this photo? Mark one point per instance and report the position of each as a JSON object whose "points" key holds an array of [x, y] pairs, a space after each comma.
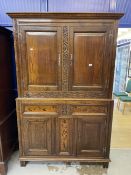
{"points": [[65, 54]]}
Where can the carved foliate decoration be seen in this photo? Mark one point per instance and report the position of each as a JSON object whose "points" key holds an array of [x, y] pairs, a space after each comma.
{"points": [[72, 94], [65, 58]]}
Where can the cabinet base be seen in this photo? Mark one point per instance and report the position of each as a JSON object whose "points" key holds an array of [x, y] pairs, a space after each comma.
{"points": [[67, 160], [105, 164], [23, 163]]}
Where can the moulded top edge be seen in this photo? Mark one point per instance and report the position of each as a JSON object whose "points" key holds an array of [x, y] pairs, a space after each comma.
{"points": [[63, 99], [73, 15]]}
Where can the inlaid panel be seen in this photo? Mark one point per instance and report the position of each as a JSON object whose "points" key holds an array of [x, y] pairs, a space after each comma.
{"points": [[65, 137], [64, 134], [85, 109], [40, 108]]}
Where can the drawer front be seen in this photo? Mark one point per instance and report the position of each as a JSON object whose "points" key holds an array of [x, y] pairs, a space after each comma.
{"points": [[40, 109], [90, 108], [64, 107]]}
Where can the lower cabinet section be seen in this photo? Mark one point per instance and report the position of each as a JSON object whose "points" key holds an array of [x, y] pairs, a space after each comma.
{"points": [[64, 129]]}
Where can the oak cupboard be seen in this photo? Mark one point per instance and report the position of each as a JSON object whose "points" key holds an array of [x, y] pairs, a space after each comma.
{"points": [[65, 66]]}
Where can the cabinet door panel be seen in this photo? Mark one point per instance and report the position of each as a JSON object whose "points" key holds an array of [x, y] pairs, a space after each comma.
{"points": [[38, 136], [42, 58], [42, 66], [91, 136], [89, 62], [37, 126]]}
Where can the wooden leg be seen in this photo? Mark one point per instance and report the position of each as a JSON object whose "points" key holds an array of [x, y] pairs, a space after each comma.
{"points": [[105, 164], [23, 163], [124, 106], [68, 163], [118, 104], [3, 168]]}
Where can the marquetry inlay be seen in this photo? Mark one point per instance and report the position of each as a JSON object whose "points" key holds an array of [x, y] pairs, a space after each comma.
{"points": [[40, 108], [90, 109], [64, 135]]}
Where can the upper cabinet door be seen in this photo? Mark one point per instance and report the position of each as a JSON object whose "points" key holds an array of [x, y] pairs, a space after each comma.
{"points": [[40, 58], [90, 57]]}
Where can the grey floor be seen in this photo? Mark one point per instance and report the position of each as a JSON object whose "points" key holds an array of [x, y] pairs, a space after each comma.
{"points": [[120, 165]]}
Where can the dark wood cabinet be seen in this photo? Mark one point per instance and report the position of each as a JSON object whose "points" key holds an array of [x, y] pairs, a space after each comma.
{"points": [[65, 65], [8, 93]]}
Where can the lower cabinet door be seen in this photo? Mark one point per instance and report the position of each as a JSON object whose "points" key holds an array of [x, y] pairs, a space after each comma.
{"points": [[91, 132], [38, 136]]}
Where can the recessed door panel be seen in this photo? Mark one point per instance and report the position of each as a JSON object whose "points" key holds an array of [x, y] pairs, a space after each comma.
{"points": [[89, 58], [37, 136], [91, 136], [88, 62], [42, 58], [42, 66]]}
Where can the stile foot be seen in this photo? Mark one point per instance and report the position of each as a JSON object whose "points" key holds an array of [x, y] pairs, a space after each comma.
{"points": [[23, 163]]}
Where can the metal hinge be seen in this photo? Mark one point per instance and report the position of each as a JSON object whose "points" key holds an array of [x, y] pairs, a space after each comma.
{"points": [[104, 150]]}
